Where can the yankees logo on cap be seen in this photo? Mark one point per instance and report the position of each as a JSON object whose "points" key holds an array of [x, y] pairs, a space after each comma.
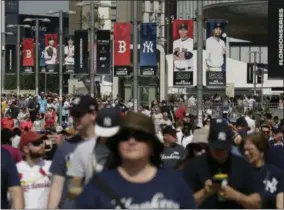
{"points": [[107, 122]]}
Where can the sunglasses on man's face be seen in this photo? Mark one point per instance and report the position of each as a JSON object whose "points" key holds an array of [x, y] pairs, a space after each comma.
{"points": [[141, 136], [265, 132], [37, 142]]}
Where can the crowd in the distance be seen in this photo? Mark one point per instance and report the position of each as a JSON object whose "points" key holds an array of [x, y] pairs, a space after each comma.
{"points": [[104, 155]]}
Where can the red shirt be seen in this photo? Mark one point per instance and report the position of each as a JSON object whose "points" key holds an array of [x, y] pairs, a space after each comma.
{"points": [[180, 112], [26, 124], [50, 119], [14, 152], [7, 123]]}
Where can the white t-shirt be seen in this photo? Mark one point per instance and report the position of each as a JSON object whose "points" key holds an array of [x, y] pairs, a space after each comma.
{"points": [[83, 162], [15, 141], [183, 45], [36, 183], [215, 52], [251, 124]]}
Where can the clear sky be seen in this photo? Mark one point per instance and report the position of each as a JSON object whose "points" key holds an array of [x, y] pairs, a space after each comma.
{"points": [[40, 7]]}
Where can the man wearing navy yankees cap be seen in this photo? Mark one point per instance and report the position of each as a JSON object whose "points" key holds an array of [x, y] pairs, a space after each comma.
{"points": [[90, 157], [216, 49], [220, 179]]}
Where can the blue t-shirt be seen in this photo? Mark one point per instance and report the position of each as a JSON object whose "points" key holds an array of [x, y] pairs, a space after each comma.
{"points": [[9, 176], [167, 189], [275, 156], [60, 163], [271, 179], [42, 103]]}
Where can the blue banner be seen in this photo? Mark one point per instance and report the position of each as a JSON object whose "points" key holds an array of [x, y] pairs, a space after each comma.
{"points": [[148, 49], [41, 55]]}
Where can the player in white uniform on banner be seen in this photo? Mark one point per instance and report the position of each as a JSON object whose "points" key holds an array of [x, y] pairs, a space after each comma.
{"points": [[215, 49], [183, 48], [69, 51]]}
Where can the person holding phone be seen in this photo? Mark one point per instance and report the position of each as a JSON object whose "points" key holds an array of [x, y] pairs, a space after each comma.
{"points": [[220, 179]]}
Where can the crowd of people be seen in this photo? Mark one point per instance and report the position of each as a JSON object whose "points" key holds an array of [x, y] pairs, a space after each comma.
{"points": [[104, 155]]}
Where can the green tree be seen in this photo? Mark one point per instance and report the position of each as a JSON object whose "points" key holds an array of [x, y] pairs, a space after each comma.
{"points": [[99, 21]]}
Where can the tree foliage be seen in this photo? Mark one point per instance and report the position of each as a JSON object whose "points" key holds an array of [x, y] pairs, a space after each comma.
{"points": [[99, 21]]}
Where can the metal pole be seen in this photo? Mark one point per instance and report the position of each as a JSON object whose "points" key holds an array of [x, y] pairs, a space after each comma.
{"points": [[254, 74], [92, 37], [60, 64], [199, 62], [167, 52], [3, 64], [36, 55], [135, 56], [45, 82], [18, 58], [261, 90]]}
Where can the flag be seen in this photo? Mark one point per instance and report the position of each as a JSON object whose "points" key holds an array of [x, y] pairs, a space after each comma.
{"points": [[81, 52]]}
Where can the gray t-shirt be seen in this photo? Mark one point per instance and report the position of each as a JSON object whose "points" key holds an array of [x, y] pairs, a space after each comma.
{"points": [[173, 154], [88, 157], [60, 164]]}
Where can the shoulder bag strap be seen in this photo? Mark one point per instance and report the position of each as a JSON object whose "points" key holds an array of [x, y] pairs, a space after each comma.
{"points": [[107, 190]]}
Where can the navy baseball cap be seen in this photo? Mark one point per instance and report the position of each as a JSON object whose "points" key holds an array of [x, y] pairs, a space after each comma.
{"points": [[220, 134], [107, 122], [217, 25], [82, 105], [183, 26]]}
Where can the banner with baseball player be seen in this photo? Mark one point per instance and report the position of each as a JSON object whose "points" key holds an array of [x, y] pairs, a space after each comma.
{"points": [[121, 49], [50, 53], [81, 54], [216, 52], [69, 52], [148, 49], [103, 52], [10, 59], [41, 56], [183, 52], [28, 55]]}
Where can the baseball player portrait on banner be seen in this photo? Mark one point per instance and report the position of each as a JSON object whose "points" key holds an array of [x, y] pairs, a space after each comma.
{"points": [[69, 51], [183, 52], [50, 53], [216, 52]]}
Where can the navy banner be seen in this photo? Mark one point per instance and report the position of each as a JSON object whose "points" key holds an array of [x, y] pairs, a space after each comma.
{"points": [[11, 59], [216, 53], [81, 52], [148, 49], [41, 56], [275, 39], [103, 52]]}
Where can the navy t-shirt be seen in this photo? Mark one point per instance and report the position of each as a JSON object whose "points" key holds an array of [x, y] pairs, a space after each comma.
{"points": [[275, 156], [9, 176], [167, 189], [60, 163], [271, 179], [241, 178]]}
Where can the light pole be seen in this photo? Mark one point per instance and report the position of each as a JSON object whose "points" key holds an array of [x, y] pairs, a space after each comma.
{"points": [[135, 56], [3, 54], [18, 26], [199, 62], [254, 69], [60, 12], [92, 4], [37, 20]]}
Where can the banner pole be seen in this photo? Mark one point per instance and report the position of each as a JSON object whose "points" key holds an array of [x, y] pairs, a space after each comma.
{"points": [[60, 64], [36, 55], [92, 51], [199, 62], [18, 58], [135, 56]]}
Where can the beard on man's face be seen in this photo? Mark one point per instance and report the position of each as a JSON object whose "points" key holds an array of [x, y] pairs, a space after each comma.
{"points": [[36, 155]]}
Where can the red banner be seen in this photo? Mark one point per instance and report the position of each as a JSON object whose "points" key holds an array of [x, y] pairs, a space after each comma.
{"points": [[188, 24], [122, 41], [50, 36], [28, 52]]}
